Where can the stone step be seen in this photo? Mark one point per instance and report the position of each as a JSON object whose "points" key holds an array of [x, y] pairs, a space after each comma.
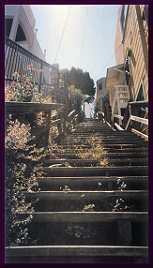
{"points": [[105, 138], [110, 150], [110, 162], [106, 142], [113, 219], [53, 230], [68, 200], [93, 183], [88, 217], [117, 140], [122, 154], [125, 149], [107, 146], [114, 133], [76, 253], [96, 171], [91, 131], [73, 162]]}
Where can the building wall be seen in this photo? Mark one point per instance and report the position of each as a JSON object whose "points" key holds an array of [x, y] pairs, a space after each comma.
{"points": [[119, 53], [135, 38], [22, 15], [100, 92]]}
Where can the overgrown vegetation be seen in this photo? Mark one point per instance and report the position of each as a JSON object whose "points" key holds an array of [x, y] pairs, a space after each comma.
{"points": [[75, 97], [95, 152], [22, 168], [23, 89], [79, 79], [23, 160]]}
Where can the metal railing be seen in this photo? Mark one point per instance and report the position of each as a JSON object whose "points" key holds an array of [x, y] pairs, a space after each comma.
{"points": [[20, 60]]}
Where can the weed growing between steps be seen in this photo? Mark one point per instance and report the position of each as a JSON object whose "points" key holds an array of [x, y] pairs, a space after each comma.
{"points": [[89, 207], [120, 205], [22, 168], [121, 185], [55, 151], [95, 152]]}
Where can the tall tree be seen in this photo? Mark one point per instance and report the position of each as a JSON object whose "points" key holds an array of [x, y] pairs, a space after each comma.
{"points": [[79, 79]]}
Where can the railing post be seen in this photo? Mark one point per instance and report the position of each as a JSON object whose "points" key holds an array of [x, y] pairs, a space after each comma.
{"points": [[41, 76], [130, 113], [49, 127]]}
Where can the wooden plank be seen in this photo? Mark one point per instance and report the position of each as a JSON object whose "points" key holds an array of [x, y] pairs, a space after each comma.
{"points": [[145, 102], [119, 127], [140, 134], [139, 119]]}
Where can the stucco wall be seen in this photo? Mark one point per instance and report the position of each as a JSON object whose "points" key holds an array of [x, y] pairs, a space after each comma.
{"points": [[22, 14]]}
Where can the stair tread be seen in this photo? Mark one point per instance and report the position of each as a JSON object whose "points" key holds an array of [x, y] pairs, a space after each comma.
{"points": [[96, 177], [84, 195], [76, 250], [90, 192], [94, 168], [89, 217]]}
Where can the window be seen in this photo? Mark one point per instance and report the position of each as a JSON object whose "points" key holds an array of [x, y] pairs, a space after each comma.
{"points": [[145, 13], [140, 96], [100, 86], [20, 36], [8, 25]]}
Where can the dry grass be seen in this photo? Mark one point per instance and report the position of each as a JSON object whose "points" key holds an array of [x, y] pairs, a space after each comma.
{"points": [[96, 152]]}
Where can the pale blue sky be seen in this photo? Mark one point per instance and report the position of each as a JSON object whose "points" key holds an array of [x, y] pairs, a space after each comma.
{"points": [[88, 39]]}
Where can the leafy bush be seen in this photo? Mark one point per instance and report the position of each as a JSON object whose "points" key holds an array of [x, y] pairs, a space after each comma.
{"points": [[21, 89]]}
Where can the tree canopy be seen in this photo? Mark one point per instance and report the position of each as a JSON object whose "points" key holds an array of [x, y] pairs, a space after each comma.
{"points": [[80, 80]]}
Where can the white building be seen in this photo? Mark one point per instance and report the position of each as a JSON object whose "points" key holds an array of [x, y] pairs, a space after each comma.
{"points": [[20, 28]]}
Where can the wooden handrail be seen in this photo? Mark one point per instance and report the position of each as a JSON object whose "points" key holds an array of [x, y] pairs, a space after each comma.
{"points": [[118, 127], [139, 119], [118, 116], [134, 118], [138, 102], [140, 134]]}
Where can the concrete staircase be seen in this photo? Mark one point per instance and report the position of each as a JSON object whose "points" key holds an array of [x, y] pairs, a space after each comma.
{"points": [[88, 213]]}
